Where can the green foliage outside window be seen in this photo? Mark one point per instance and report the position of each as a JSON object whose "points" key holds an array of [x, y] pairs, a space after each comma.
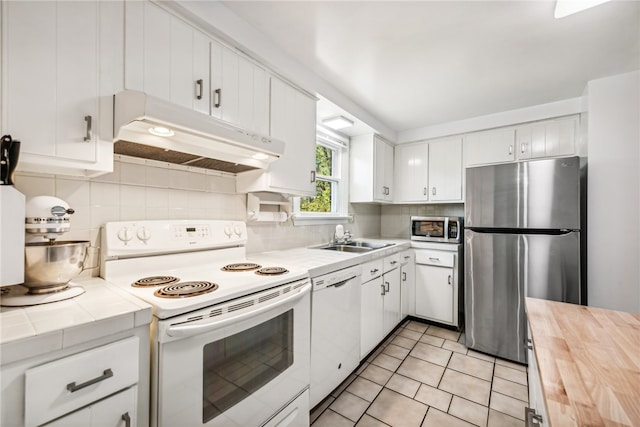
{"points": [[324, 167]]}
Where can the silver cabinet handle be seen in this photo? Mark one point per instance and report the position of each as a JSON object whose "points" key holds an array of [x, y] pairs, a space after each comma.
{"points": [[393, 262], [382, 286], [217, 98], [72, 387], [433, 191], [404, 276], [449, 279], [510, 149], [407, 256], [434, 259], [88, 136], [313, 176], [531, 419], [523, 146], [386, 284], [127, 419], [374, 271], [424, 191], [199, 89]]}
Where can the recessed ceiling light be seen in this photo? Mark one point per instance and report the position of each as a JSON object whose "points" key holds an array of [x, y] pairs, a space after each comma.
{"points": [[569, 7], [161, 131], [337, 122]]}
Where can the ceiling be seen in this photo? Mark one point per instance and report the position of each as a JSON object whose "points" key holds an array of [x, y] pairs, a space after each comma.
{"points": [[420, 63]]}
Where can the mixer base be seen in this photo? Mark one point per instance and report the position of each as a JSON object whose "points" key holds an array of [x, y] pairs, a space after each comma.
{"points": [[18, 296]]}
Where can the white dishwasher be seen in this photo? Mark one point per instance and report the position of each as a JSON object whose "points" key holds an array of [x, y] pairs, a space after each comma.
{"points": [[335, 330]]}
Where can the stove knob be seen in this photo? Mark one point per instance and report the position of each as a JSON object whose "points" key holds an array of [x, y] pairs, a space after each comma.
{"points": [[143, 234], [238, 230], [125, 235], [227, 230]]}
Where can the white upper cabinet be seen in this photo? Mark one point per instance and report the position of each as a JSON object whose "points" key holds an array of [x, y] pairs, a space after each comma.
{"points": [[371, 169], [239, 90], [494, 146], [64, 62], [170, 59], [445, 170], [292, 120], [547, 139], [411, 178], [429, 171], [166, 57]]}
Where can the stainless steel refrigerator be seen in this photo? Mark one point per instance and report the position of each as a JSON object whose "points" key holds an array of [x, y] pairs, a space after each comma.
{"points": [[524, 236]]}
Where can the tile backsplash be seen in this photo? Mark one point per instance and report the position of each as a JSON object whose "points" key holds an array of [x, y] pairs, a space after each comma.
{"points": [[142, 189]]}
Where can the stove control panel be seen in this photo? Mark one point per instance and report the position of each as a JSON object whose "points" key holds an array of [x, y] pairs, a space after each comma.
{"points": [[136, 238]]}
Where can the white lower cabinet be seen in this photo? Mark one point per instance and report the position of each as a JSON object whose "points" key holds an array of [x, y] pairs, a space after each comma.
{"points": [[58, 388], [118, 410], [436, 296], [380, 301], [536, 413], [407, 283]]}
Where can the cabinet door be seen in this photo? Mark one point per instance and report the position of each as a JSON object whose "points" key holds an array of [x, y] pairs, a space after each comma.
{"points": [[407, 284], [252, 97], [293, 119], [156, 51], [30, 89], [445, 169], [496, 146], [215, 66], [411, 169], [118, 410], [383, 170], [388, 171], [392, 300], [371, 315], [434, 293], [77, 79]]}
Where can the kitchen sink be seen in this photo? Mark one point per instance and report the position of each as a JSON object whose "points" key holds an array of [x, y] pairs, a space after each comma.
{"points": [[346, 248], [357, 247]]}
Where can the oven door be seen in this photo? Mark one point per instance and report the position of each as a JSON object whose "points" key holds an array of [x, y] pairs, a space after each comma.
{"points": [[233, 364]]}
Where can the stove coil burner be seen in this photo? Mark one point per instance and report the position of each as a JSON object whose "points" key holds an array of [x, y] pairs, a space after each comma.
{"points": [[186, 289], [272, 271], [148, 282], [241, 266]]}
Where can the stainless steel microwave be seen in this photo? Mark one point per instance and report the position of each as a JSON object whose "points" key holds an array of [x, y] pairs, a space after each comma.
{"points": [[446, 229]]}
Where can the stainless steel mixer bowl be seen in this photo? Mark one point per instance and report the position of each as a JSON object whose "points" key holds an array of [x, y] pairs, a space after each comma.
{"points": [[50, 266]]}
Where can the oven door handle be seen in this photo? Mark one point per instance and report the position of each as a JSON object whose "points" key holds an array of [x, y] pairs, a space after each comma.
{"points": [[207, 325]]}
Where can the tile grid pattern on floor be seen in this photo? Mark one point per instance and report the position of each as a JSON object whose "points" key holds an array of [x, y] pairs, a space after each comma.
{"points": [[424, 376]]}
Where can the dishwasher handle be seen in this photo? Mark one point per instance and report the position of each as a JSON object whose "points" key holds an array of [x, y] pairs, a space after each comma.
{"points": [[207, 325], [341, 282]]}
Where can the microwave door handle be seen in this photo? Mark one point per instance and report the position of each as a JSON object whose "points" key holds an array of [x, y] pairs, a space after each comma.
{"points": [[211, 324]]}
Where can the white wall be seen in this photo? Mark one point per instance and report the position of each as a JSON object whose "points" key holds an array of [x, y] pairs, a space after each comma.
{"points": [[613, 243]]}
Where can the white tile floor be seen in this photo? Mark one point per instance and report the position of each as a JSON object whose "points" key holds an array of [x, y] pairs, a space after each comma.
{"points": [[424, 376]]}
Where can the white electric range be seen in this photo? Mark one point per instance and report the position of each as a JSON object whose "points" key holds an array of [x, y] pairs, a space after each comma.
{"points": [[230, 335]]}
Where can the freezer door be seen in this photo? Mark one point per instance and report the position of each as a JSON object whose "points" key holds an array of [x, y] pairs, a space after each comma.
{"points": [[494, 295], [500, 269], [539, 194]]}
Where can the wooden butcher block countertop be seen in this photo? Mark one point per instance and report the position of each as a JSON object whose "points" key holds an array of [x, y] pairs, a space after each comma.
{"points": [[589, 363]]}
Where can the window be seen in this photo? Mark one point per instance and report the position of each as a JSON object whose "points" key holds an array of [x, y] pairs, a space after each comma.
{"points": [[330, 201]]}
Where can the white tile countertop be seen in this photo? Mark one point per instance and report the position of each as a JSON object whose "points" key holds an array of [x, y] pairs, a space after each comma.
{"points": [[100, 311], [321, 261]]}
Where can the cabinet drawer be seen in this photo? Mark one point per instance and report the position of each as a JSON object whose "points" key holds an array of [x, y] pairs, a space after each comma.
{"points": [[438, 258], [62, 386], [372, 269], [391, 262]]}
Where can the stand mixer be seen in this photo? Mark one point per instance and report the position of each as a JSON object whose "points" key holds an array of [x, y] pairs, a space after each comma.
{"points": [[49, 264]]}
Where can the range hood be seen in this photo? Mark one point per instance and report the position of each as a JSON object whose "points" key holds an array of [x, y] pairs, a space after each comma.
{"points": [[151, 128]]}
